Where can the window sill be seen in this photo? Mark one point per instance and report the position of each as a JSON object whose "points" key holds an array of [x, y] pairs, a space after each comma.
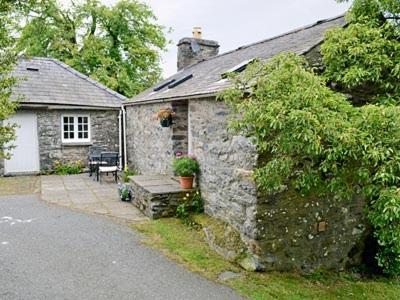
{"points": [[77, 144]]}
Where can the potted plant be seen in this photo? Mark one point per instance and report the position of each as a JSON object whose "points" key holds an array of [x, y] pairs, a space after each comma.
{"points": [[165, 116], [125, 192], [186, 167]]}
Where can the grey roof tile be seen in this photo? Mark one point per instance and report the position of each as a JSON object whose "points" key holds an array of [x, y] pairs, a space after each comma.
{"points": [[55, 83], [207, 74]]}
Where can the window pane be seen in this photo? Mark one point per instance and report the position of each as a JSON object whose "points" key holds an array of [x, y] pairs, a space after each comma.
{"points": [[75, 127]]}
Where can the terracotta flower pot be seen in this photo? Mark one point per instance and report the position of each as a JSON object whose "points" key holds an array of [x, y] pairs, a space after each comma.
{"points": [[186, 182]]}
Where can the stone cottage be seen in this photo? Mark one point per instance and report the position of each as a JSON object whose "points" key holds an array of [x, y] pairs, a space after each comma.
{"points": [[281, 232], [62, 112]]}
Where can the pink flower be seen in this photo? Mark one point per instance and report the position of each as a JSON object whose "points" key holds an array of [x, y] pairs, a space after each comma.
{"points": [[178, 154]]}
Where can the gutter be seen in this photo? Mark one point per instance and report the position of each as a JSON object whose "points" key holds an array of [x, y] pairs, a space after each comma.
{"points": [[198, 96], [66, 107]]}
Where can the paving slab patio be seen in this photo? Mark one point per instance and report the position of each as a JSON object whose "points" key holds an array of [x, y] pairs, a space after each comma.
{"points": [[82, 193]]}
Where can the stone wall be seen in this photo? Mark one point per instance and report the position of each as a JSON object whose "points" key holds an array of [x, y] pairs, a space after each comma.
{"points": [[150, 147], [282, 232], [157, 196], [225, 161], [306, 234], [104, 131], [180, 127]]}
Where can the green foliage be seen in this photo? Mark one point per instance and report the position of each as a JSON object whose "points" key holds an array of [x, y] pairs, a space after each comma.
{"points": [[68, 168], [364, 57], [126, 174], [182, 211], [7, 82], [191, 203], [185, 166], [311, 138], [385, 215], [125, 192], [118, 46]]}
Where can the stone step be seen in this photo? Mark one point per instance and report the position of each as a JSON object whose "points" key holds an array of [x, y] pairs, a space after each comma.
{"points": [[157, 196]]}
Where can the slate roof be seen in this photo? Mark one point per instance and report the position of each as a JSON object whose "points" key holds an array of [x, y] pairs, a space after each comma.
{"points": [[207, 74], [49, 81]]}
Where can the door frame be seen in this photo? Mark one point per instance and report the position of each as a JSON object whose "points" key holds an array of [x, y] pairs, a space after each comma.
{"points": [[37, 158]]}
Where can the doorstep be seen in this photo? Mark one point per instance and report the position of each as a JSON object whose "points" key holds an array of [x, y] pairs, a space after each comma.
{"points": [[157, 196]]}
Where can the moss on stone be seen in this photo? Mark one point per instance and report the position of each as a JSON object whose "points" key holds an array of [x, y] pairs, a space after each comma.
{"points": [[222, 237]]}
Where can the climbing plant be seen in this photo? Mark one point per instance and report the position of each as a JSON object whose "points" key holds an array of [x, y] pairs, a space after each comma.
{"points": [[313, 139], [363, 58]]}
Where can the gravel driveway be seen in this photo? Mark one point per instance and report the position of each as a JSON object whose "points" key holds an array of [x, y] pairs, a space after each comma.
{"points": [[49, 252]]}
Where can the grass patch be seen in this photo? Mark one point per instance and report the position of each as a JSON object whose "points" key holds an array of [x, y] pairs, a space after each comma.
{"points": [[187, 247], [20, 185]]}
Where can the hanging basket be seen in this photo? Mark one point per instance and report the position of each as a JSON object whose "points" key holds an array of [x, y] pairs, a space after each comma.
{"points": [[165, 116], [166, 122]]}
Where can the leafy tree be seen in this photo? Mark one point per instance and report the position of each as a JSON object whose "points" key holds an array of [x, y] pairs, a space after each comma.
{"points": [[118, 46], [364, 57], [313, 140], [7, 60]]}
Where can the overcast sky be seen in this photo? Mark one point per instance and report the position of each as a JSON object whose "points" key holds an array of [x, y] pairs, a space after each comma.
{"points": [[234, 23]]}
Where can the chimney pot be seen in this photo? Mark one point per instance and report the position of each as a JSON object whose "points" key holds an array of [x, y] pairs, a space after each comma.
{"points": [[197, 32]]}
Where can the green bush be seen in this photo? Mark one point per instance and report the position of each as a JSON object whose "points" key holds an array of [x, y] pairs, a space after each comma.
{"points": [[191, 203], [313, 139], [126, 174], [185, 166], [68, 168]]}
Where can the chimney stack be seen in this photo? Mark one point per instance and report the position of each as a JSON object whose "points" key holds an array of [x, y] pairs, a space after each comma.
{"points": [[195, 49]]}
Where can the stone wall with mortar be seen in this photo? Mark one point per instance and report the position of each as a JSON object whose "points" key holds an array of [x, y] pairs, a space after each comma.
{"points": [[226, 161], [104, 131], [283, 232], [157, 197], [307, 234], [180, 127], [150, 147]]}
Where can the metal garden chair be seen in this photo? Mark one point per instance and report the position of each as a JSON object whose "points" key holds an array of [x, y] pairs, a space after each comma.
{"points": [[109, 164], [94, 158]]}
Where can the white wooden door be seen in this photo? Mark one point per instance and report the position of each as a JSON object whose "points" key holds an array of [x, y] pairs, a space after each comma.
{"points": [[25, 156]]}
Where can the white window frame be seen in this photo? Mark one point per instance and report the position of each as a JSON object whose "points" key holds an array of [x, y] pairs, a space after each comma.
{"points": [[75, 139]]}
